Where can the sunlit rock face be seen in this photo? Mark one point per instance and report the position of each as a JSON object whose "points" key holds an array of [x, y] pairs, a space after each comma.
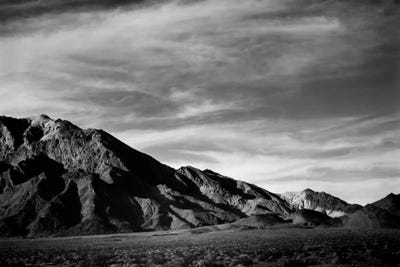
{"points": [[56, 178], [319, 201]]}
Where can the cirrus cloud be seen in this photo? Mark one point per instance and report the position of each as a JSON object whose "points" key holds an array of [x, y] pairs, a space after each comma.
{"points": [[272, 92]]}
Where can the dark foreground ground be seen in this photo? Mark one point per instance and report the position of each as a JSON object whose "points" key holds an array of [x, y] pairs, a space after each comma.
{"points": [[268, 247]]}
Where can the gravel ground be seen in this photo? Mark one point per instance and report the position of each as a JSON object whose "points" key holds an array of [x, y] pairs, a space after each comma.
{"points": [[260, 247]]}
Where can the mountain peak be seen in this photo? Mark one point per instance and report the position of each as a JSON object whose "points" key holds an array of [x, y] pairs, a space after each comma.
{"points": [[188, 167], [308, 190], [41, 117]]}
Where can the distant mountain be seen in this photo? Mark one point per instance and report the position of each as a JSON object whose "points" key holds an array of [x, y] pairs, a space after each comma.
{"points": [[56, 178], [390, 203], [319, 201], [372, 217], [384, 213]]}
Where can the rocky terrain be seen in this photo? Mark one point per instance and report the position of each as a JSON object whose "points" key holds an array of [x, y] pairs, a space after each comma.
{"points": [[58, 179]]}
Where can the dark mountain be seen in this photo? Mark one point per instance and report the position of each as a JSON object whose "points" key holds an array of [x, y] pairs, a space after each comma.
{"points": [[56, 178], [384, 213], [390, 203], [372, 217], [319, 201]]}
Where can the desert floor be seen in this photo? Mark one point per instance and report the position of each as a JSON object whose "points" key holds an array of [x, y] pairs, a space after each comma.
{"points": [[211, 247]]}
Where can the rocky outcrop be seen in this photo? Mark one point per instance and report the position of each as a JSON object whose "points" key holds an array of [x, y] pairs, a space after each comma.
{"points": [[57, 179], [321, 202]]}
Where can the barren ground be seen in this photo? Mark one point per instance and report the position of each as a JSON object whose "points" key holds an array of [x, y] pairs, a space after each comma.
{"points": [[200, 247]]}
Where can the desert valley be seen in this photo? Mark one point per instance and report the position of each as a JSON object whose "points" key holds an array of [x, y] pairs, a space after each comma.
{"points": [[199, 133]]}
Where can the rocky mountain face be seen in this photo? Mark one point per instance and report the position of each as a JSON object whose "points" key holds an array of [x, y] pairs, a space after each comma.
{"points": [[56, 178], [321, 202]]}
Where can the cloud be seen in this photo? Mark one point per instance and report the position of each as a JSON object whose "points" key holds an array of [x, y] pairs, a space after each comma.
{"points": [[265, 91]]}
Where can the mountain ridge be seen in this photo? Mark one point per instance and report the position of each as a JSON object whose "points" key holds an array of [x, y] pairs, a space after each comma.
{"points": [[46, 163], [59, 179]]}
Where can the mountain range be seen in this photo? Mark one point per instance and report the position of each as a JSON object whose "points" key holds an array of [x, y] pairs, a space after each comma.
{"points": [[58, 179]]}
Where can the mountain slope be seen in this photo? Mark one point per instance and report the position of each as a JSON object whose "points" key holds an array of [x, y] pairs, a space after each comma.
{"points": [[248, 198], [384, 213], [56, 178], [372, 217], [319, 201], [390, 203]]}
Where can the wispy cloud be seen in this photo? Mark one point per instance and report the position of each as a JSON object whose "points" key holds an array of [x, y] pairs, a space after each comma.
{"points": [[265, 91]]}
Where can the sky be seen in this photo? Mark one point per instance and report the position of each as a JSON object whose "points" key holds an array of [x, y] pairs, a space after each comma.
{"points": [[287, 94]]}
